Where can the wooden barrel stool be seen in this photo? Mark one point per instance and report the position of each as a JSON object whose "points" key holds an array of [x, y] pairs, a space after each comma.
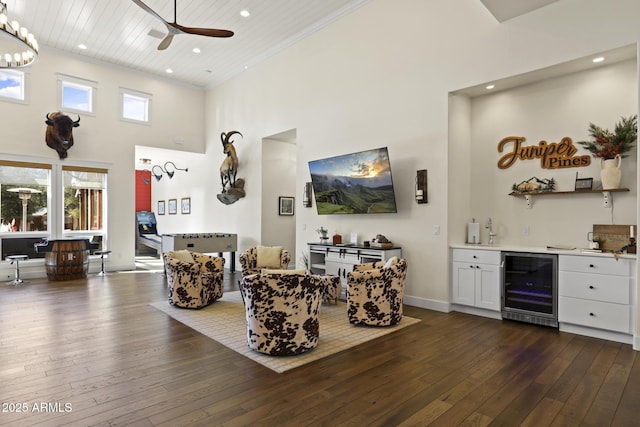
{"points": [[68, 260]]}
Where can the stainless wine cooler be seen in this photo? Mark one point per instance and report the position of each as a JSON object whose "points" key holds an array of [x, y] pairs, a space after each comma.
{"points": [[530, 288]]}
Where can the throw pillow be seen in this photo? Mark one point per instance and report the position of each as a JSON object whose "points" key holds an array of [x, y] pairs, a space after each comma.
{"points": [[299, 271], [183, 255], [391, 261], [268, 256]]}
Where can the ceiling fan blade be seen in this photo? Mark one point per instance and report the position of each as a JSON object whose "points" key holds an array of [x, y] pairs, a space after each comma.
{"points": [[166, 42], [208, 32], [149, 10], [175, 28]]}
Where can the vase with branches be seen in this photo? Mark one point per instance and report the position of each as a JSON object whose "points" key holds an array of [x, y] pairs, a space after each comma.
{"points": [[606, 144], [610, 148]]}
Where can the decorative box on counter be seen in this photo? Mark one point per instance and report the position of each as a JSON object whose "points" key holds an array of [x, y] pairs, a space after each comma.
{"points": [[381, 242]]}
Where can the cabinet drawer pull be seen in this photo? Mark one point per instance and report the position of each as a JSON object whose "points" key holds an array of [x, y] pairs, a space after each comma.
{"points": [[477, 266], [591, 266], [474, 257], [591, 287], [591, 314]]}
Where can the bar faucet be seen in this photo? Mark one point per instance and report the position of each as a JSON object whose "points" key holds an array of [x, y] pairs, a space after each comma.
{"points": [[491, 233]]}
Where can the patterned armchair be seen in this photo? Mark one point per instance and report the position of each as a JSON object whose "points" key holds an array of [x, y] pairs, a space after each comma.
{"points": [[195, 280], [375, 292], [282, 311], [253, 260]]}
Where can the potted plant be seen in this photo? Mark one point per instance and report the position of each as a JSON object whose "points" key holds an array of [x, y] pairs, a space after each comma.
{"points": [[610, 148], [323, 232]]}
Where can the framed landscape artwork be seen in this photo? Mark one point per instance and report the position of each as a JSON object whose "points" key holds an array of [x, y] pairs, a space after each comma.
{"points": [[285, 205]]}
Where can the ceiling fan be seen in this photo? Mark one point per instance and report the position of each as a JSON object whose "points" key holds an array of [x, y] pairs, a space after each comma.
{"points": [[174, 28]]}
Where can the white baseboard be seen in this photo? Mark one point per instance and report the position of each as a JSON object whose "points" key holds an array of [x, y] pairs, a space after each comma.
{"points": [[477, 311], [34, 269], [599, 333], [429, 304]]}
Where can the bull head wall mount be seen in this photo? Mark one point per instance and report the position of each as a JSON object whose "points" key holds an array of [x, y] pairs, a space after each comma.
{"points": [[59, 133]]}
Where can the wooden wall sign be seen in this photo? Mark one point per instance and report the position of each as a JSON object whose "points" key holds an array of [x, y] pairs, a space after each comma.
{"points": [[555, 155]]}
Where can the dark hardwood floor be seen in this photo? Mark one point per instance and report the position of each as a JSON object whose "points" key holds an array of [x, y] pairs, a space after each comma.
{"points": [[93, 352]]}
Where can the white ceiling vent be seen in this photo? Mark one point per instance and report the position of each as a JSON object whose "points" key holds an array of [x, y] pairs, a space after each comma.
{"points": [[157, 34]]}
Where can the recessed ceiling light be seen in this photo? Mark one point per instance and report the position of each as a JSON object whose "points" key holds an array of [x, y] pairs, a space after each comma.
{"points": [[196, 50], [490, 87], [598, 59], [244, 13], [246, 67], [82, 46], [169, 70]]}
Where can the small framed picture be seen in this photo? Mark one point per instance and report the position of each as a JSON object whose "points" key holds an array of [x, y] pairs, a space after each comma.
{"points": [[185, 205], [173, 206], [584, 183], [285, 205], [160, 207]]}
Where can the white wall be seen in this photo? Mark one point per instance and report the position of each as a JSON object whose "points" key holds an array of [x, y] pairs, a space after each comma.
{"points": [[278, 179], [104, 138], [550, 110], [378, 77], [381, 77]]}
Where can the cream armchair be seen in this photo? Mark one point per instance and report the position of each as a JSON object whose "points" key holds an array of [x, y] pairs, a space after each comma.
{"points": [[195, 280], [375, 292], [253, 260]]}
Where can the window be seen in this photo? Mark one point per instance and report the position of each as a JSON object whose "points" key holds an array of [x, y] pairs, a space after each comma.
{"points": [[76, 95], [24, 195], [41, 200], [84, 198], [135, 106], [13, 85]]}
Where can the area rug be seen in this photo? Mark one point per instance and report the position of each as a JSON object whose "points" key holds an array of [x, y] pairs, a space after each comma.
{"points": [[224, 321]]}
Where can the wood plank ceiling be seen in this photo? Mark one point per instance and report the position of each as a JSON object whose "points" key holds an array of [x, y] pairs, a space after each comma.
{"points": [[117, 32]]}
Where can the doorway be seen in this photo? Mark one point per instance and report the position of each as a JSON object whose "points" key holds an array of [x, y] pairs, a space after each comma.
{"points": [[279, 158]]}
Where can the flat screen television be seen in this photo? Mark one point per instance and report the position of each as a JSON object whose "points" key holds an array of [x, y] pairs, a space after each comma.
{"points": [[356, 183]]}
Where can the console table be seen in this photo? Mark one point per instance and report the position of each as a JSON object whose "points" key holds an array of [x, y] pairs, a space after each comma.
{"points": [[338, 260]]}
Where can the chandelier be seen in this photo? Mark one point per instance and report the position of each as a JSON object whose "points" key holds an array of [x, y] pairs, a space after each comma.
{"points": [[26, 40]]}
